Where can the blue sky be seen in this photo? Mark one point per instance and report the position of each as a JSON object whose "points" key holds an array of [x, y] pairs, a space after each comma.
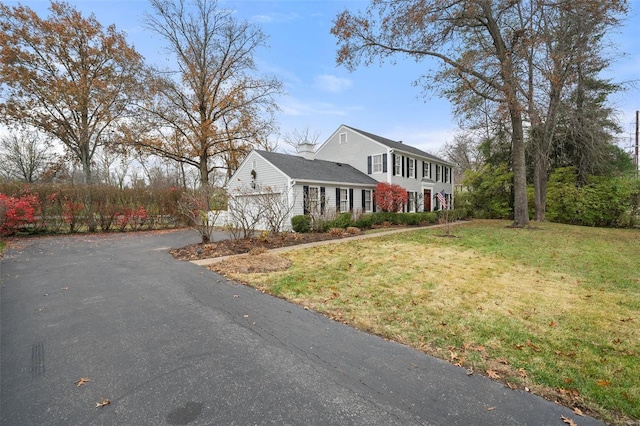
{"points": [[321, 96]]}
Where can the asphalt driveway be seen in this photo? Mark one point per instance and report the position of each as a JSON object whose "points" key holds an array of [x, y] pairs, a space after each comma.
{"points": [[169, 342]]}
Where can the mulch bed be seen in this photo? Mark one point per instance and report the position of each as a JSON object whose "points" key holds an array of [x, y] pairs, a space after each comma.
{"points": [[230, 247]]}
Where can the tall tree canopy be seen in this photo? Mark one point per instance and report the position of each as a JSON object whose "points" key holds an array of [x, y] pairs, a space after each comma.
{"points": [[489, 51], [209, 111], [65, 75]]}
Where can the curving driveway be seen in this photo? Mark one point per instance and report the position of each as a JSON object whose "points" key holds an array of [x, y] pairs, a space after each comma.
{"points": [[171, 343]]}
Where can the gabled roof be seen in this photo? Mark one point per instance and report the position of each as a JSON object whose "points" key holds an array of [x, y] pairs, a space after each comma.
{"points": [[300, 168], [398, 146]]}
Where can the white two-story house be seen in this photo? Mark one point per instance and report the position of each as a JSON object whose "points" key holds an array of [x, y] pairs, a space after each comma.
{"points": [[342, 175], [421, 174]]}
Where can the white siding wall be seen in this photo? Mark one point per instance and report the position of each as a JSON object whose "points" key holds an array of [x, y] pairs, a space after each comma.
{"points": [[354, 151], [266, 175]]}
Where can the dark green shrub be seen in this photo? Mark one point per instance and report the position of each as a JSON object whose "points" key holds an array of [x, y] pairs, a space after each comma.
{"points": [[378, 218], [365, 222], [344, 220], [602, 201], [301, 223], [428, 217]]}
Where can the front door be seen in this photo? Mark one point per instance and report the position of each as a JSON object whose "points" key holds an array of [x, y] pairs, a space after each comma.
{"points": [[427, 200]]}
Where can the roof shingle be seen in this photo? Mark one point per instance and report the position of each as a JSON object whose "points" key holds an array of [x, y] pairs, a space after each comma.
{"points": [[398, 145], [297, 167]]}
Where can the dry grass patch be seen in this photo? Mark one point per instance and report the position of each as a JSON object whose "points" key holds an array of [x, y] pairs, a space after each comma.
{"points": [[540, 309], [255, 262]]}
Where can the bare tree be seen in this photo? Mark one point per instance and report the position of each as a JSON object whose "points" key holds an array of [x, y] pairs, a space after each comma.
{"points": [[297, 137], [214, 107], [24, 156], [245, 213], [276, 205], [202, 207], [464, 153]]}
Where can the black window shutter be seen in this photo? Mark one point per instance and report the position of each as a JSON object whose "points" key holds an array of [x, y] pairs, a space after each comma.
{"points": [[415, 169], [408, 159], [305, 201], [363, 204], [369, 164], [393, 164], [384, 163], [402, 158], [350, 199], [373, 200], [338, 199], [430, 171], [322, 199]]}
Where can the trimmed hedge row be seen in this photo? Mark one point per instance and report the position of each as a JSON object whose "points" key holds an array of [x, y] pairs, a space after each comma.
{"points": [[302, 223], [78, 208]]}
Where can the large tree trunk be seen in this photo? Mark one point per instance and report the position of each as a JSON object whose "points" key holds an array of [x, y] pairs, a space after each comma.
{"points": [[204, 170], [540, 181], [520, 205]]}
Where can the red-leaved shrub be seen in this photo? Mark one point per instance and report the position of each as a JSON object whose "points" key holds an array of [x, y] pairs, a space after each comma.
{"points": [[17, 212], [390, 197]]}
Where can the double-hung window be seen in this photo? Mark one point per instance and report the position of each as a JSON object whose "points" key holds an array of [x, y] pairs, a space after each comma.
{"points": [[376, 163], [411, 165], [425, 169], [397, 165], [314, 200], [412, 201], [344, 200], [366, 203]]}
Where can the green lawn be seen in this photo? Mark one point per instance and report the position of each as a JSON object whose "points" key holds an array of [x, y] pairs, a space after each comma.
{"points": [[554, 309]]}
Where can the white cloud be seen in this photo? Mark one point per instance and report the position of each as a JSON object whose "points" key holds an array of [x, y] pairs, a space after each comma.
{"points": [[275, 18], [331, 83], [297, 107]]}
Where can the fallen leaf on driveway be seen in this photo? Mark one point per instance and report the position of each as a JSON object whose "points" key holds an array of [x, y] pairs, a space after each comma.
{"points": [[82, 381], [102, 403], [569, 421], [577, 411]]}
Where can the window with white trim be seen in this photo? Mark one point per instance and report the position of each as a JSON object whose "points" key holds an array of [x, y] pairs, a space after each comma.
{"points": [[412, 167], [412, 201], [343, 138], [397, 166], [314, 200], [344, 200], [376, 163], [367, 200]]}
